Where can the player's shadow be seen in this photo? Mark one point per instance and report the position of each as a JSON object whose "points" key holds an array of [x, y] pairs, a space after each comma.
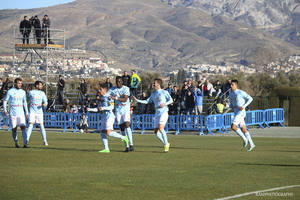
{"points": [[10, 147], [269, 164], [292, 151], [78, 139], [65, 149], [171, 147]]}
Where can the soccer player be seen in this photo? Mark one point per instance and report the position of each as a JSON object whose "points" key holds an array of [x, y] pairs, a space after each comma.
{"points": [[120, 94], [239, 100], [37, 100], [161, 99], [17, 104], [107, 123]]}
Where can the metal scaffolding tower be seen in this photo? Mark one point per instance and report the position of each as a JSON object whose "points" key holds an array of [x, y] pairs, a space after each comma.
{"points": [[41, 54]]}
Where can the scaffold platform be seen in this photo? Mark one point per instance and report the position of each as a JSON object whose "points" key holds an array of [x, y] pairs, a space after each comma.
{"points": [[38, 46]]}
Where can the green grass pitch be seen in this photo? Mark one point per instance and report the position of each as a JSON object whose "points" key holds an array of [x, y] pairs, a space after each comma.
{"points": [[197, 167]]}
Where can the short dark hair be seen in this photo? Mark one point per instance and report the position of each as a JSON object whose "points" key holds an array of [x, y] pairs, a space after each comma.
{"points": [[25, 16], [104, 86], [159, 81], [235, 81], [45, 15], [17, 79], [119, 78], [36, 83]]}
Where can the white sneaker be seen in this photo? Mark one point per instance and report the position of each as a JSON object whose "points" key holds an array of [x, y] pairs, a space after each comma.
{"points": [[45, 143], [251, 148]]}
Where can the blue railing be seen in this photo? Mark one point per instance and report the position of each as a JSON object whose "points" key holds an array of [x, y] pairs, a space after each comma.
{"points": [[209, 124]]}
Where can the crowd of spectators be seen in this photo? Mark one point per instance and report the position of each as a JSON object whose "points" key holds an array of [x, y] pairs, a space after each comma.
{"points": [[188, 98], [40, 29]]}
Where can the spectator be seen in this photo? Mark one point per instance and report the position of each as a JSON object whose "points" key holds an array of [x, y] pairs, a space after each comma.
{"points": [[88, 102], [174, 107], [190, 85], [67, 106], [46, 29], [82, 92], [74, 109], [218, 89], [170, 89], [94, 104], [207, 88], [37, 28], [83, 124], [135, 81], [126, 79], [60, 89], [51, 104], [108, 83], [198, 95], [189, 103], [6, 85], [25, 29], [143, 107], [226, 87], [183, 95], [184, 84], [219, 107], [1, 84], [98, 93]]}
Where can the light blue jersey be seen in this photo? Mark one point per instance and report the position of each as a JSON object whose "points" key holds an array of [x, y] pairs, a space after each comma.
{"points": [[158, 97], [17, 102], [237, 99], [121, 107], [36, 99], [107, 105]]}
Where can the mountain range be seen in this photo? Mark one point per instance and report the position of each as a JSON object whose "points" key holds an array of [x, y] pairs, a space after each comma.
{"points": [[156, 35]]}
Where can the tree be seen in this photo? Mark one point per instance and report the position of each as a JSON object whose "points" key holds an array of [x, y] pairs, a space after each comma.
{"points": [[197, 77], [172, 78]]}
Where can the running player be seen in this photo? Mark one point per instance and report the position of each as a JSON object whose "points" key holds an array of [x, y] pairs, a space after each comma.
{"points": [[239, 100], [37, 100], [17, 104], [120, 94], [107, 122], [161, 99]]}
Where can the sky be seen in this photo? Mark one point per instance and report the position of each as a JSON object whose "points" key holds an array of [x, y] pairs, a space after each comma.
{"points": [[27, 4]]}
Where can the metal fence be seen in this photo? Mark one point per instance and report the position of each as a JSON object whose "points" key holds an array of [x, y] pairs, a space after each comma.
{"points": [[218, 123]]}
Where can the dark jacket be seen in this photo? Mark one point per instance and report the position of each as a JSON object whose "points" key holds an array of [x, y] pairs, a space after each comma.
{"points": [[46, 23], [189, 101], [108, 84], [36, 23], [61, 87], [126, 80], [25, 26], [83, 88]]}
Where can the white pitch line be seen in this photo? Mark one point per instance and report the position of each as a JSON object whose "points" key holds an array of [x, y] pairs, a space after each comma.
{"points": [[260, 191]]}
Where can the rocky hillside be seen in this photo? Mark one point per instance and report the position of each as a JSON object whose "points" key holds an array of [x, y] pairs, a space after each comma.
{"points": [[152, 34], [279, 17]]}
